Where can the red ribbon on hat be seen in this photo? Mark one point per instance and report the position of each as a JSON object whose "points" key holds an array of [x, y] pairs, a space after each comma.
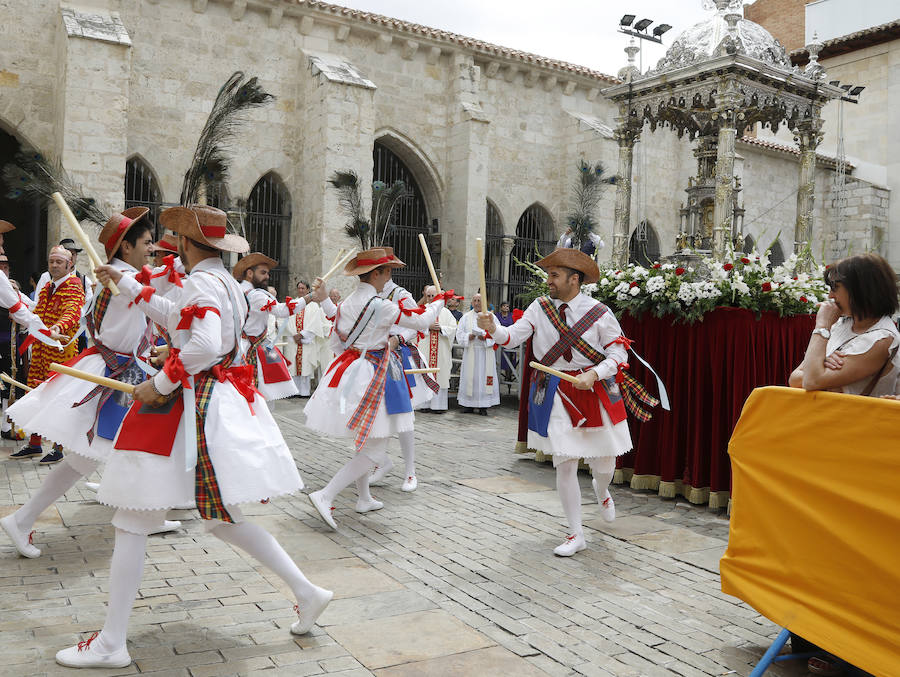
{"points": [[124, 225], [163, 244], [374, 262], [190, 312], [213, 231]]}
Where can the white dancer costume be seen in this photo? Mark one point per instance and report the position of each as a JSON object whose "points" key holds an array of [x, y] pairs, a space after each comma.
{"points": [[598, 441], [362, 324], [273, 381], [437, 347], [478, 385]]}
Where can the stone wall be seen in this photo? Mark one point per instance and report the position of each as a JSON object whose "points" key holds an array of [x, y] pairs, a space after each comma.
{"points": [[861, 225], [784, 19]]}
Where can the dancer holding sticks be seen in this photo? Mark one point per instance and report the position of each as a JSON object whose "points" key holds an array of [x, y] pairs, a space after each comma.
{"points": [[584, 415], [364, 393]]}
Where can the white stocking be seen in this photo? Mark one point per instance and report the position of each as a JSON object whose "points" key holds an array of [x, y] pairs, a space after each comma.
{"points": [[58, 482], [408, 447], [570, 494], [358, 466], [261, 545], [125, 572], [603, 469]]}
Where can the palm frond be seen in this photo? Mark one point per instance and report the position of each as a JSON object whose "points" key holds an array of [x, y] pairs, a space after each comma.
{"points": [[385, 200], [350, 201], [34, 178], [236, 97], [586, 195]]}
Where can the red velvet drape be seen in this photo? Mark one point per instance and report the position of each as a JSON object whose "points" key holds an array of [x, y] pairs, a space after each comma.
{"points": [[709, 369]]}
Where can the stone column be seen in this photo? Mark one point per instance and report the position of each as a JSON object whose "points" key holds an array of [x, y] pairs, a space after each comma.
{"points": [[467, 177], [94, 66], [626, 136], [507, 243], [723, 209], [807, 135]]}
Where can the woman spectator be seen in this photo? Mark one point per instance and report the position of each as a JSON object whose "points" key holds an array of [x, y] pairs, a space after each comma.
{"points": [[853, 348]]}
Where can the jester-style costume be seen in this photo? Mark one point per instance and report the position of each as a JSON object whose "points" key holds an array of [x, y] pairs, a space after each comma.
{"points": [[60, 303]]}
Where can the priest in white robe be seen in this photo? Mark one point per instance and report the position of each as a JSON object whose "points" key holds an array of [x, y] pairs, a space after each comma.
{"points": [[308, 329], [437, 349], [478, 385]]}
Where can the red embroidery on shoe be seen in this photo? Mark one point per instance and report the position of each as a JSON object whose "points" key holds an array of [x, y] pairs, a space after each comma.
{"points": [[83, 646], [31, 538], [570, 538], [606, 501], [264, 501], [410, 478]]}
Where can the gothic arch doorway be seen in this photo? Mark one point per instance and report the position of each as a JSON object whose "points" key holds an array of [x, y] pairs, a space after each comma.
{"points": [[409, 220], [776, 254], [268, 226], [534, 239], [493, 253], [26, 246], [643, 248]]}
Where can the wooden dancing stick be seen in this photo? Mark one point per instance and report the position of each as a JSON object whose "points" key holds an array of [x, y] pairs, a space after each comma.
{"points": [[422, 371], [99, 380], [340, 263], [434, 277], [12, 381], [480, 248], [338, 257], [553, 372], [82, 237]]}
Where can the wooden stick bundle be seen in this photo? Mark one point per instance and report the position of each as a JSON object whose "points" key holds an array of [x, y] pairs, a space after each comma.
{"points": [[82, 237], [93, 378], [12, 381], [553, 372], [434, 277]]}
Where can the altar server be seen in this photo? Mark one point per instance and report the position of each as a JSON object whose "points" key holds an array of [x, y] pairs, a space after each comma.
{"points": [[308, 329]]}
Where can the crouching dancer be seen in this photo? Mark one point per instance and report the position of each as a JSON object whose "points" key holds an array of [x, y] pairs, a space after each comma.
{"points": [[197, 429], [580, 336]]}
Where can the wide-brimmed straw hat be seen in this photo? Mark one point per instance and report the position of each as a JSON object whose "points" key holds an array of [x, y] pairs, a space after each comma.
{"points": [[6, 226], [204, 224], [251, 261], [574, 259], [117, 226], [167, 243], [370, 259]]}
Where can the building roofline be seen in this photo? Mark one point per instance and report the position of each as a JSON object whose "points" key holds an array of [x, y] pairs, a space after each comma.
{"points": [[826, 160], [851, 42], [480, 47]]}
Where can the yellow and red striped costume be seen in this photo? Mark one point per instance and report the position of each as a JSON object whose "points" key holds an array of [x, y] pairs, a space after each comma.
{"points": [[63, 309]]}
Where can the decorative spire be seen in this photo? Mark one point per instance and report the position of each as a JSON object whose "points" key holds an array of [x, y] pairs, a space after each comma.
{"points": [[814, 70], [631, 71]]}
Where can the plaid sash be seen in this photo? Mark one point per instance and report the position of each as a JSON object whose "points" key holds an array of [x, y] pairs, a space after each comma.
{"points": [[367, 409], [416, 357], [115, 367], [206, 488]]}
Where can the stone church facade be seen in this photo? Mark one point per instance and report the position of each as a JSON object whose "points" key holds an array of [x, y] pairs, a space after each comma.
{"points": [[488, 137]]}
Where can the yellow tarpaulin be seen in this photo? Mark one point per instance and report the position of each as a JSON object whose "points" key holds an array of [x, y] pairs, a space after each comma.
{"points": [[814, 543]]}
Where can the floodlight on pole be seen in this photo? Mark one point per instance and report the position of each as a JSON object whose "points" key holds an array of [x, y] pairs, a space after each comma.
{"points": [[639, 29], [851, 92], [642, 24], [660, 29], [627, 19]]}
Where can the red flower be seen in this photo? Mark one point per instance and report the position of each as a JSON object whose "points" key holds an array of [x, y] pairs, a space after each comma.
{"points": [[794, 278], [633, 284], [767, 286], [745, 260], [803, 299], [655, 266], [679, 271], [727, 267]]}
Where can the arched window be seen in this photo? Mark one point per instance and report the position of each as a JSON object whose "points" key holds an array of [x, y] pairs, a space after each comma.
{"points": [[142, 190], [749, 244], [643, 248], [409, 219], [776, 254], [534, 239], [269, 225], [493, 253]]}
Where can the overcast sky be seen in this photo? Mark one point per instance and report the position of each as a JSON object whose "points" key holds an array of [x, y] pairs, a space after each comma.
{"points": [[583, 32]]}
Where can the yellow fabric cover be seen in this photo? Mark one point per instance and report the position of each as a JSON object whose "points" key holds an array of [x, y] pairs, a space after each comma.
{"points": [[815, 523]]}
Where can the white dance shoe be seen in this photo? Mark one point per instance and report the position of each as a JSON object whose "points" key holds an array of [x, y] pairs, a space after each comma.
{"points": [[92, 486], [410, 484], [323, 508], [19, 539], [168, 526], [570, 546], [309, 612], [379, 472], [368, 506], [84, 655], [607, 506]]}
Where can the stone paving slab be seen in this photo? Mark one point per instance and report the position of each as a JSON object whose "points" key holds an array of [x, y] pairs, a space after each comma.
{"points": [[456, 578]]}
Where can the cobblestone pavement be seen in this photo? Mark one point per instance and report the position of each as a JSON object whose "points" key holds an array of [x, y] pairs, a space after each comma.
{"points": [[457, 578]]}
